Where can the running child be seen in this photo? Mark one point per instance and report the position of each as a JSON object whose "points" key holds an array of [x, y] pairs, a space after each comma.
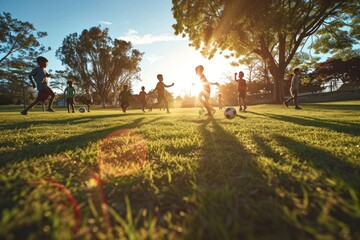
{"points": [[125, 96], [69, 94], [142, 97], [204, 95], [39, 79], [241, 90], [160, 88]]}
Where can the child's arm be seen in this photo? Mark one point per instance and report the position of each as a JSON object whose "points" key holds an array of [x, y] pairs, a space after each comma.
{"points": [[32, 81], [169, 85], [235, 77], [65, 93], [214, 83]]}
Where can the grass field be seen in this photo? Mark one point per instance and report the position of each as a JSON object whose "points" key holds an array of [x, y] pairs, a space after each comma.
{"points": [[270, 173]]}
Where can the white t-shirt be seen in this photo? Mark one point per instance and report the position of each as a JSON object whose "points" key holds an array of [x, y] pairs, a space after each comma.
{"points": [[40, 76]]}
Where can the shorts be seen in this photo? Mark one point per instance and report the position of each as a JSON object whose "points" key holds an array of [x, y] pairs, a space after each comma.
{"points": [[70, 100], [88, 102], [204, 93], [242, 93], [44, 94], [143, 102]]}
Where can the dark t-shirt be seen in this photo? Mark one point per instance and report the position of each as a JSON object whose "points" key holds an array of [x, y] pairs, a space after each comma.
{"points": [[125, 96], [142, 96]]}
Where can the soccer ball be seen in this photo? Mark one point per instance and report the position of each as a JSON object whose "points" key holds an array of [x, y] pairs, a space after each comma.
{"points": [[230, 112], [82, 109]]}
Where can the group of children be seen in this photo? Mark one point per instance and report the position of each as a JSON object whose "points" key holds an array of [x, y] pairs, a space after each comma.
{"points": [[39, 79]]}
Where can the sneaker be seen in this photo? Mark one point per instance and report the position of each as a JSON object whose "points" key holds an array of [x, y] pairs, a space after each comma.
{"points": [[240, 109], [285, 104], [50, 110], [23, 112], [208, 114], [244, 109], [297, 107], [73, 111]]}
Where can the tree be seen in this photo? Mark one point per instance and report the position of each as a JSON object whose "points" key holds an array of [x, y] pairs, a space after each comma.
{"points": [[98, 61], [347, 71], [274, 30], [18, 40]]}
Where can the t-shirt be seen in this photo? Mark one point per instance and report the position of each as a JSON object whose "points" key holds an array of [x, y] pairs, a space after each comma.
{"points": [[125, 95], [142, 95], [241, 85], [40, 76], [70, 92], [295, 82], [160, 87], [205, 83]]}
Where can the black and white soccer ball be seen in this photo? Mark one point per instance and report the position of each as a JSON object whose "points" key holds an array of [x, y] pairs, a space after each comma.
{"points": [[230, 112], [82, 109]]}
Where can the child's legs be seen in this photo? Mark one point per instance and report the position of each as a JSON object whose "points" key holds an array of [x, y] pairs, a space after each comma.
{"points": [[72, 107], [68, 105], [295, 98], [32, 105], [52, 97]]}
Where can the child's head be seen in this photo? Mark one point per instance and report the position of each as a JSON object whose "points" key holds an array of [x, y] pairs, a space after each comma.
{"points": [[143, 88], [125, 87], [43, 62], [70, 83], [241, 74], [199, 69], [297, 71], [160, 77]]}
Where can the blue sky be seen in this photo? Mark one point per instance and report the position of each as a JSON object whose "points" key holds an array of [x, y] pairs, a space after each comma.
{"points": [[146, 23]]}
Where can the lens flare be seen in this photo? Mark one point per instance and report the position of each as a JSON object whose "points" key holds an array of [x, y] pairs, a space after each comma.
{"points": [[123, 152]]}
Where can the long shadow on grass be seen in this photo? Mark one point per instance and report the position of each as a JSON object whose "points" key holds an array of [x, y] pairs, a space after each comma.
{"points": [[335, 106], [69, 120], [330, 165], [353, 129], [233, 199], [61, 145]]}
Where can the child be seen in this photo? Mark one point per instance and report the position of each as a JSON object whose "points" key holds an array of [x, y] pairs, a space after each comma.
{"points": [[125, 96], [242, 90], [204, 95], [89, 100], [39, 76], [220, 101], [142, 97], [69, 93], [294, 89], [160, 87]]}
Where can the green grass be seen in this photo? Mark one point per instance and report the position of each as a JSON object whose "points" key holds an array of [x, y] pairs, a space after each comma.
{"points": [[270, 173]]}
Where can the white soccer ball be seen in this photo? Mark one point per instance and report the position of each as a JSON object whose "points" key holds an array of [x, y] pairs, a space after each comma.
{"points": [[82, 109], [230, 112]]}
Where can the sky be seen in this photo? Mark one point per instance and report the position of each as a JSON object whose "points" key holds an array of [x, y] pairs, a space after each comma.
{"points": [[146, 23]]}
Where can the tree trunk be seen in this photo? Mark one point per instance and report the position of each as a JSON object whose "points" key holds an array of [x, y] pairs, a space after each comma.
{"points": [[24, 96], [103, 99], [278, 74]]}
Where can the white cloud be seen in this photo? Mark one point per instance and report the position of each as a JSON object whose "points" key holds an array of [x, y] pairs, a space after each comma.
{"points": [[136, 39], [153, 58], [105, 22]]}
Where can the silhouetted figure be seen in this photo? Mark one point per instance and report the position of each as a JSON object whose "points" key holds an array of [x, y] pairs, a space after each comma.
{"points": [[294, 89], [89, 100], [69, 94], [204, 95], [160, 88], [39, 76], [125, 96], [241, 90], [142, 97], [220, 101]]}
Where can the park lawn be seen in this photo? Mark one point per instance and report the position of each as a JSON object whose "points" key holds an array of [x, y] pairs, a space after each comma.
{"points": [[270, 173]]}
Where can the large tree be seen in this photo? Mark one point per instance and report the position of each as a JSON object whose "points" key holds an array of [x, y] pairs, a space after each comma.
{"points": [[275, 30], [98, 61], [18, 40]]}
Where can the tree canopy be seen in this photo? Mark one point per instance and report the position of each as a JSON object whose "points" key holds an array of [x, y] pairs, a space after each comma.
{"points": [[274, 30], [99, 62]]}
